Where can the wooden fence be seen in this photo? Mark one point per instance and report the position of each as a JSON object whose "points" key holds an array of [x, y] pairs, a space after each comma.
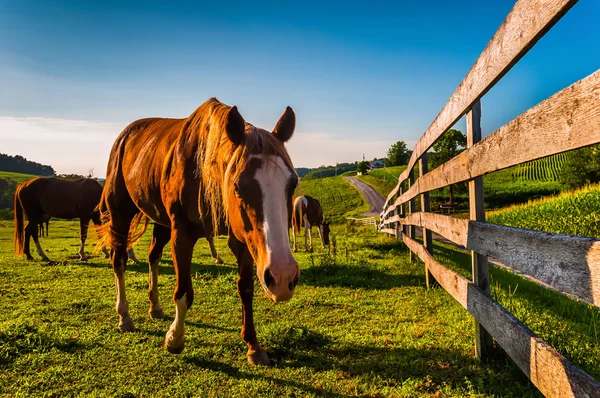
{"points": [[568, 120], [363, 220]]}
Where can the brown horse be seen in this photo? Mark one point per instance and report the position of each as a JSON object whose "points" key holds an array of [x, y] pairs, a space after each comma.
{"points": [[45, 196], [308, 211], [44, 220], [208, 174]]}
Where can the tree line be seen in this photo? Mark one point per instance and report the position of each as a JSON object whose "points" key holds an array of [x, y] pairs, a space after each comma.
{"points": [[18, 164]]}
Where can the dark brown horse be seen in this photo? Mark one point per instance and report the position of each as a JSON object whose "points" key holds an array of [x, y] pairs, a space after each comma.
{"points": [[208, 174], [45, 196], [44, 220], [308, 212]]}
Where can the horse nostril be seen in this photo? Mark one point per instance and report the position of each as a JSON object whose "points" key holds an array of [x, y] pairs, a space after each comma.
{"points": [[293, 284], [269, 278]]}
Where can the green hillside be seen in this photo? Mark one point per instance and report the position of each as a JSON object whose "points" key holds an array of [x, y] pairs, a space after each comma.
{"points": [[17, 177], [337, 196]]}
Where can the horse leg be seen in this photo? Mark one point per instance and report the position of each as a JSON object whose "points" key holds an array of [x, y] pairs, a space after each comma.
{"points": [[28, 235], [245, 285], [182, 248], [120, 230], [34, 234], [320, 228], [83, 225], [160, 237], [306, 233], [294, 238], [213, 251], [131, 256], [47, 224]]}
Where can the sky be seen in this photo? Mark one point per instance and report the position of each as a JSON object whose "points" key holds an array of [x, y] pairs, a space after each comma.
{"points": [[359, 75]]}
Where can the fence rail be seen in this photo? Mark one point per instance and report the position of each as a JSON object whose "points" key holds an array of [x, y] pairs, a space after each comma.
{"points": [[568, 120], [363, 220]]}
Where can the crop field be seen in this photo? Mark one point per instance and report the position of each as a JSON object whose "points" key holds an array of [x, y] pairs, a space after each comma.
{"points": [[546, 169], [573, 212]]}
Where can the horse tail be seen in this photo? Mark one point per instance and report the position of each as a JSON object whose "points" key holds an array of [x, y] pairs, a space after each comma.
{"points": [[106, 235], [19, 224], [135, 230], [297, 215]]}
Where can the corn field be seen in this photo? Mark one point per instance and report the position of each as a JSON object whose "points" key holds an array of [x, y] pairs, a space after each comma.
{"points": [[546, 169], [574, 213]]}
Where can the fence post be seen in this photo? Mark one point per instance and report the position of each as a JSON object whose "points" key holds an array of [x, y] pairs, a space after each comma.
{"points": [[411, 209], [425, 207], [483, 340]]}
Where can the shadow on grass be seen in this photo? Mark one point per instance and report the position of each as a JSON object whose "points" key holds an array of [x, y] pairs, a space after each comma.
{"points": [[22, 340], [166, 268], [299, 348], [356, 277]]}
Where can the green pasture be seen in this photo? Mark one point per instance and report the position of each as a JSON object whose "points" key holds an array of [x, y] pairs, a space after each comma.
{"points": [[18, 177]]}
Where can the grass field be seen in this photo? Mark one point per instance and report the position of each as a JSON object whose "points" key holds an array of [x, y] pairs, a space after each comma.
{"points": [[18, 177], [361, 324], [338, 198]]}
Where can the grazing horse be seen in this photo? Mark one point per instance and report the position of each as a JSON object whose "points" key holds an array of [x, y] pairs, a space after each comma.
{"points": [[307, 210], [210, 173], [51, 197], [44, 220]]}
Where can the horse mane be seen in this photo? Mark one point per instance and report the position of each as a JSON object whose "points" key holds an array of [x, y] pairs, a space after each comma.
{"points": [[220, 162]]}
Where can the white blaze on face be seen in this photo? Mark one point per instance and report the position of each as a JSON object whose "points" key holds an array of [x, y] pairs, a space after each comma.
{"points": [[273, 177]]}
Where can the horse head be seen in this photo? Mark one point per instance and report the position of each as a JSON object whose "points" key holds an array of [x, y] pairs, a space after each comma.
{"points": [[259, 196]]}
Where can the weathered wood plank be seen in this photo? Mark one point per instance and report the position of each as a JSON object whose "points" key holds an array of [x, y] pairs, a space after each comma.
{"points": [[388, 231], [551, 373], [425, 207], [479, 263], [411, 209], [570, 119], [566, 263], [526, 23]]}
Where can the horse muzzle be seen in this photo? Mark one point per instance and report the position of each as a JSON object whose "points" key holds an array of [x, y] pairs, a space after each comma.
{"points": [[279, 282]]}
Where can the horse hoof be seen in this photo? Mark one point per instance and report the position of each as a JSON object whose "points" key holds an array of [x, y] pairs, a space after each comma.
{"points": [[126, 325], [172, 346], [83, 258], [156, 313], [219, 261], [258, 358]]}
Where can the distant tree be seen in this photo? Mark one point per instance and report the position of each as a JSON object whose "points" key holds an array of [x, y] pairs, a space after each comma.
{"points": [[398, 154], [362, 167], [19, 164], [90, 172], [451, 144], [70, 177], [581, 167]]}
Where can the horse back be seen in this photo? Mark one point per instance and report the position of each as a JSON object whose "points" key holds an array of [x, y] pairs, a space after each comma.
{"points": [[154, 166]]}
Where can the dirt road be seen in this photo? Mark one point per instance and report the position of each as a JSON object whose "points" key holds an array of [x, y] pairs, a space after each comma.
{"points": [[372, 196]]}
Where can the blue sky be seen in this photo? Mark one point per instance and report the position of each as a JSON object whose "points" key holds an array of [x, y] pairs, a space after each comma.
{"points": [[359, 75]]}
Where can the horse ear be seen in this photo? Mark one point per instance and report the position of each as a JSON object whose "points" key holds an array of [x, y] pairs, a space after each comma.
{"points": [[286, 125], [236, 126]]}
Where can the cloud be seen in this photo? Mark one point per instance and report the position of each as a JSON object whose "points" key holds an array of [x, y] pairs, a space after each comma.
{"points": [[74, 146], [317, 149], [69, 146]]}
